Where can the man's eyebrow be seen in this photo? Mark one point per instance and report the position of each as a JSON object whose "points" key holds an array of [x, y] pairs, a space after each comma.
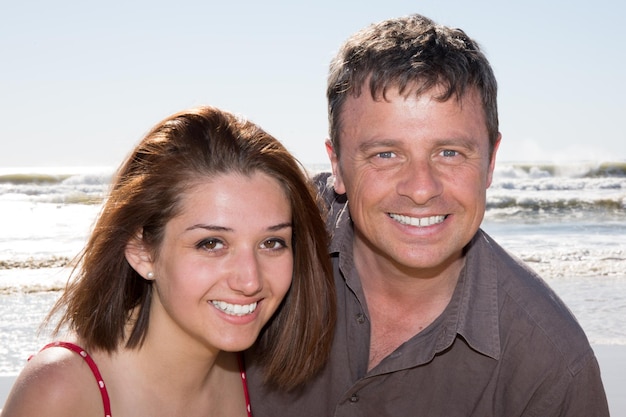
{"points": [[456, 141], [366, 145]]}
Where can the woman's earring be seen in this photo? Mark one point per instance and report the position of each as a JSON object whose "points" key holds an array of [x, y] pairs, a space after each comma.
{"points": [[150, 275]]}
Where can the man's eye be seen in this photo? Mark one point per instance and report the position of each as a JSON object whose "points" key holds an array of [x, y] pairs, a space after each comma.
{"points": [[385, 155], [449, 153]]}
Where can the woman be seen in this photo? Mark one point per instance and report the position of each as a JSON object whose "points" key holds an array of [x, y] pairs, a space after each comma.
{"points": [[210, 237]]}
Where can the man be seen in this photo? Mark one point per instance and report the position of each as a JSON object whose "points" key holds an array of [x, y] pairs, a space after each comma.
{"points": [[434, 318]]}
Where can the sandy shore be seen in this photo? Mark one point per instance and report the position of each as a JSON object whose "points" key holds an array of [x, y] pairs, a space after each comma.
{"points": [[612, 360]]}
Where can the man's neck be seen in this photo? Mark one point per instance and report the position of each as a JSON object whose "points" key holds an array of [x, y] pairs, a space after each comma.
{"points": [[402, 302]]}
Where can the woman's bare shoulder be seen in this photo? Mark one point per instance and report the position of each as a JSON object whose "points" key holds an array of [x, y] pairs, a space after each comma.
{"points": [[54, 382]]}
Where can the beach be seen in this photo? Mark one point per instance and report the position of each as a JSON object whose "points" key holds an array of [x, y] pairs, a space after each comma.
{"points": [[599, 303], [612, 359], [567, 222]]}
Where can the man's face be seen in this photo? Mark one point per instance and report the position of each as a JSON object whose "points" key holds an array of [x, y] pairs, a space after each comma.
{"points": [[415, 171]]}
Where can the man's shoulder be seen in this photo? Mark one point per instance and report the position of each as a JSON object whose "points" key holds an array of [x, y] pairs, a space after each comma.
{"points": [[529, 304], [323, 182], [335, 204]]}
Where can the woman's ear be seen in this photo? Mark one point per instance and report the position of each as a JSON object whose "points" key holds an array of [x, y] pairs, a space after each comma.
{"points": [[139, 257]]}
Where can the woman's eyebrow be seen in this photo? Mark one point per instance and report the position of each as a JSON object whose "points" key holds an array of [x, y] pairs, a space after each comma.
{"points": [[210, 227], [216, 228]]}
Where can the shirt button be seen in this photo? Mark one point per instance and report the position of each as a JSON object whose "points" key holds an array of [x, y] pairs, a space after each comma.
{"points": [[354, 398], [360, 318]]}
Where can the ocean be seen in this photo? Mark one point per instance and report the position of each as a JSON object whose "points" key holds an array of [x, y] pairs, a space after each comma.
{"points": [[566, 220]]}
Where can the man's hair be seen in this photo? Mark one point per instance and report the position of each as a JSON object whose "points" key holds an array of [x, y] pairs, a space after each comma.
{"points": [[413, 54]]}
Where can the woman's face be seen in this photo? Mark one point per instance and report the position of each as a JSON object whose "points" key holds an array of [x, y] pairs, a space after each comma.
{"points": [[225, 263]]}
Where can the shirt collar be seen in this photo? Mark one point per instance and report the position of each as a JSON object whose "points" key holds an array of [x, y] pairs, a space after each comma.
{"points": [[473, 309], [478, 318]]}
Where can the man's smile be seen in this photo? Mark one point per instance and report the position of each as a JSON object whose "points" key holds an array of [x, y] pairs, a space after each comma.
{"points": [[417, 221]]}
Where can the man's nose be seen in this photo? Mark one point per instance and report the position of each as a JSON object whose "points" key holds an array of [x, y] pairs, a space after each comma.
{"points": [[419, 180]]}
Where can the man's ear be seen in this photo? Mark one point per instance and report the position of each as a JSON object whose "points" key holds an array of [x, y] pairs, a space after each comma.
{"points": [[139, 257], [492, 161], [334, 163]]}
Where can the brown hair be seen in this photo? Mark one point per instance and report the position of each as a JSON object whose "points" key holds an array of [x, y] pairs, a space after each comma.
{"points": [[145, 195], [414, 54]]}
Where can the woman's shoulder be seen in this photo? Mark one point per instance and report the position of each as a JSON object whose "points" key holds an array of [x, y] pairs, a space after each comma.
{"points": [[54, 382]]}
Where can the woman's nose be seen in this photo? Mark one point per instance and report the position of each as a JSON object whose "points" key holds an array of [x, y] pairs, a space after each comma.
{"points": [[246, 276]]}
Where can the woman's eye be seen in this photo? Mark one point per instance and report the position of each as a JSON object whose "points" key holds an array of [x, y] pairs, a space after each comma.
{"points": [[210, 244], [274, 244]]}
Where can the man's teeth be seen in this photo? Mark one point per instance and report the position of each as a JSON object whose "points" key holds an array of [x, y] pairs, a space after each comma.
{"points": [[417, 222], [234, 309]]}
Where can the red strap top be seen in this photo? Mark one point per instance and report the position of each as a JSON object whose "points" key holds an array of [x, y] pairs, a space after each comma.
{"points": [[244, 381], [103, 391], [94, 369]]}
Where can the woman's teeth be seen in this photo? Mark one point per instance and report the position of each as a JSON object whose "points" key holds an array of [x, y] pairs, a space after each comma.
{"points": [[234, 309]]}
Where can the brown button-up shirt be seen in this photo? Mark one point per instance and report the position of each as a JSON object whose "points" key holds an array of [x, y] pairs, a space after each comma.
{"points": [[505, 346]]}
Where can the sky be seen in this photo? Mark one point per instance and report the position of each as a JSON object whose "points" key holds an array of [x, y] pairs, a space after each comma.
{"points": [[81, 81]]}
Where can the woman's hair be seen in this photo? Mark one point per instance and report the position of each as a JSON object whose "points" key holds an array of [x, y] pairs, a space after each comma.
{"points": [[413, 54], [146, 193]]}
